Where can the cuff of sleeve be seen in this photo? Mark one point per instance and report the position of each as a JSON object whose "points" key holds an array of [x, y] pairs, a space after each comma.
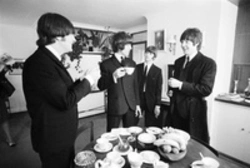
{"points": [[158, 106], [90, 79], [180, 86], [115, 80]]}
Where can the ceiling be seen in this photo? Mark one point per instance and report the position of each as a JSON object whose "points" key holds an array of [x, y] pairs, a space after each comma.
{"points": [[118, 14]]}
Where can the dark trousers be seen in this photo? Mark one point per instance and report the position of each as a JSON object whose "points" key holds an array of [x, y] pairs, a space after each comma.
{"points": [[180, 122], [58, 159], [150, 119], [128, 119]]}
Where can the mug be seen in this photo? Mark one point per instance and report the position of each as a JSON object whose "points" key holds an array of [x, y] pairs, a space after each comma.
{"points": [[135, 159]]}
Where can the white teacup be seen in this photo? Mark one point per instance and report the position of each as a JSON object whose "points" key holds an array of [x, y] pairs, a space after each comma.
{"points": [[102, 143], [114, 157], [129, 70], [135, 159]]}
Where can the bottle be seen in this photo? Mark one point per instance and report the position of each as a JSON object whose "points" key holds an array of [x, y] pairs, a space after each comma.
{"points": [[247, 90]]}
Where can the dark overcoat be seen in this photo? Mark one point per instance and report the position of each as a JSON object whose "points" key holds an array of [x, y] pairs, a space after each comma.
{"points": [[121, 95], [51, 97], [190, 100], [153, 86]]}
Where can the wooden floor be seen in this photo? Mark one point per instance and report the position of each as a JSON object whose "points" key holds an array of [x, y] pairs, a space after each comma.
{"points": [[22, 155]]}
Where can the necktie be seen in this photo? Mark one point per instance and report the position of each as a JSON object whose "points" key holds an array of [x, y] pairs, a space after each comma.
{"points": [[122, 61], [144, 78], [186, 62]]}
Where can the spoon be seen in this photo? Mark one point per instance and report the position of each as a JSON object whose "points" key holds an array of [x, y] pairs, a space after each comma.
{"points": [[202, 157], [121, 141]]}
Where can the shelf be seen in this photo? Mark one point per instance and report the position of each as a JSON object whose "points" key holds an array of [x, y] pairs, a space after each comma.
{"points": [[227, 98], [92, 52]]}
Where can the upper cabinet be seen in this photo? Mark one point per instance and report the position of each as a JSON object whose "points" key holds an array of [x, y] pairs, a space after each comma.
{"points": [[241, 58]]}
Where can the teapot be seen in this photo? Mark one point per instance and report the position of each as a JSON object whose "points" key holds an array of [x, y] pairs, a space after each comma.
{"points": [[106, 164]]}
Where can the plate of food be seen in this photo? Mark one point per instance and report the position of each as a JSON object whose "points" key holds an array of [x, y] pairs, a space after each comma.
{"points": [[154, 130], [85, 158]]}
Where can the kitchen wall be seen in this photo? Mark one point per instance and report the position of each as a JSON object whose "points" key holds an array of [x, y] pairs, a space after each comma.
{"points": [[20, 42]]}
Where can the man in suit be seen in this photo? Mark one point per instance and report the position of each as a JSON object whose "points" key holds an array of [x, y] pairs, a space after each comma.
{"points": [[194, 76], [119, 77], [51, 94], [150, 86]]}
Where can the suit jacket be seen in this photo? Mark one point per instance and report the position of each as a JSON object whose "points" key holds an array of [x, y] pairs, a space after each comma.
{"points": [[198, 83], [153, 86], [51, 98], [123, 94]]}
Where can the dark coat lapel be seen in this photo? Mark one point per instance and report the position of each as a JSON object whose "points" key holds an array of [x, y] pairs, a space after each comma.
{"points": [[53, 57]]}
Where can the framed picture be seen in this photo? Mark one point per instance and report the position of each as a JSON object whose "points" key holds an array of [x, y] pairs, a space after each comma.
{"points": [[90, 40], [17, 67], [159, 39]]}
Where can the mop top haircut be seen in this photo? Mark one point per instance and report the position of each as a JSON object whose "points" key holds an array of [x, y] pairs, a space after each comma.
{"points": [[119, 41], [194, 35], [152, 50], [52, 25]]}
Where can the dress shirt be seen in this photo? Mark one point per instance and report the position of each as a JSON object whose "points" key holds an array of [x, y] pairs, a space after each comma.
{"points": [[119, 57], [148, 68], [191, 56], [58, 56]]}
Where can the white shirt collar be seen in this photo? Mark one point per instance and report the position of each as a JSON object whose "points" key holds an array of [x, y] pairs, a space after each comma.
{"points": [[56, 54], [148, 65], [119, 56], [192, 56]]}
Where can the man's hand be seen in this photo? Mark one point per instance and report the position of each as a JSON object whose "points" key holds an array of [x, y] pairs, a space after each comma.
{"points": [[91, 74], [138, 111], [120, 72], [174, 83], [157, 111]]}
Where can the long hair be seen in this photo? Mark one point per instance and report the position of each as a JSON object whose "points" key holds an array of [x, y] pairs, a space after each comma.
{"points": [[194, 35], [52, 25], [119, 40]]}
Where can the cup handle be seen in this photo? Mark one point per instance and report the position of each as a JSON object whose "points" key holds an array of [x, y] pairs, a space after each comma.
{"points": [[99, 164]]}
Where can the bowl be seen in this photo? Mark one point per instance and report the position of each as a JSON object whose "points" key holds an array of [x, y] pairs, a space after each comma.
{"points": [[172, 156], [146, 140], [150, 157], [112, 138], [85, 159]]}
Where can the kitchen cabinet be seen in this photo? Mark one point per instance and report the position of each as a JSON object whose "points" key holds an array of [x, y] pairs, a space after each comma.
{"points": [[230, 130]]}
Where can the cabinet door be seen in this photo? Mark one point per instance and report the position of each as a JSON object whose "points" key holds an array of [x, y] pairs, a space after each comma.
{"points": [[230, 132]]}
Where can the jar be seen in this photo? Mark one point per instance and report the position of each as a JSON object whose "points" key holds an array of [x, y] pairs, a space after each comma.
{"points": [[247, 90]]}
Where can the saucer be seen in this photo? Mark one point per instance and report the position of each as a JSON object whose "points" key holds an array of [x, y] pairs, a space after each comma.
{"points": [[116, 149], [121, 162], [109, 136], [135, 130], [100, 150]]}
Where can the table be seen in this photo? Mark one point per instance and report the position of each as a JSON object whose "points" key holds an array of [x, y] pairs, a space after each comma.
{"points": [[193, 150]]}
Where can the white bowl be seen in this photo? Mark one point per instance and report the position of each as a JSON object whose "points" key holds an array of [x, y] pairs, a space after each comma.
{"points": [[146, 140], [150, 157], [85, 158]]}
